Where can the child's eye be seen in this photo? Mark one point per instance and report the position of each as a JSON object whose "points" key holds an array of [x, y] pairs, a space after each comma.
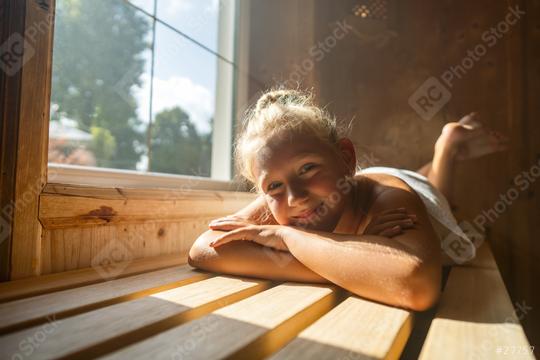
{"points": [[273, 186], [306, 167]]}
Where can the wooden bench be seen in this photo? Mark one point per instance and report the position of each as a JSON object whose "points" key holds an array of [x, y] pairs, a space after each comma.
{"points": [[179, 312]]}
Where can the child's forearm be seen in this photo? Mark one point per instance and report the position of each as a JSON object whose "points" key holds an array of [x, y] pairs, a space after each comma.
{"points": [[245, 258], [370, 266]]}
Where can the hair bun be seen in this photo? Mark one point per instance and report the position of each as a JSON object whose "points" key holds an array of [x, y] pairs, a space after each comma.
{"points": [[282, 97]]}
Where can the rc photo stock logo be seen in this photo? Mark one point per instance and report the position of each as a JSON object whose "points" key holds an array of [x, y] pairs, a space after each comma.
{"points": [[19, 48], [14, 53], [434, 93], [112, 259]]}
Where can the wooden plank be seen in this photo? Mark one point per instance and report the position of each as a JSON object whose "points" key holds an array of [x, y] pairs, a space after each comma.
{"points": [[31, 311], [67, 249], [61, 211], [116, 326], [531, 322], [475, 318], [33, 132], [11, 23], [484, 258], [127, 193], [357, 329], [251, 329], [33, 286]]}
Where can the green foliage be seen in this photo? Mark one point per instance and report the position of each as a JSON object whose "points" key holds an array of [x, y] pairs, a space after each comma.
{"points": [[98, 50], [97, 61], [103, 146], [177, 147]]}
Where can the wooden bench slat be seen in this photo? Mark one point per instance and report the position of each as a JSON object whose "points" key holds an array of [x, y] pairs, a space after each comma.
{"points": [[103, 330], [17, 289], [31, 311], [484, 258], [252, 328], [475, 317], [355, 329]]}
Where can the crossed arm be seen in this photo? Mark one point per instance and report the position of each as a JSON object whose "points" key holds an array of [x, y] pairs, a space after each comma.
{"points": [[403, 271]]}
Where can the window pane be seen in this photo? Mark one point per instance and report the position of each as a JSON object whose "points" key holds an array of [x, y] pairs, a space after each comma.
{"points": [[183, 105], [99, 84], [146, 5], [195, 18]]}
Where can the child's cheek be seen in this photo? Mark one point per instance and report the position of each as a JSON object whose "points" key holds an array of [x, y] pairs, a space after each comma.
{"points": [[321, 185], [278, 208]]}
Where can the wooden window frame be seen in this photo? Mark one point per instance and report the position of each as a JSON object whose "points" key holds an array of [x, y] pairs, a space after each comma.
{"points": [[221, 174], [27, 180]]}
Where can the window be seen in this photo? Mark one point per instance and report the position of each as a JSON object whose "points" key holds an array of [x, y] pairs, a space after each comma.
{"points": [[142, 87]]}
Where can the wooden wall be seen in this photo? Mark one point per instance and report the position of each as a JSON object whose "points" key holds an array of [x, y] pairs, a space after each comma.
{"points": [[369, 75], [93, 227]]}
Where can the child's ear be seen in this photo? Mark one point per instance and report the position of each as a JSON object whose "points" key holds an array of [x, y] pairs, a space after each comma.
{"points": [[348, 153]]}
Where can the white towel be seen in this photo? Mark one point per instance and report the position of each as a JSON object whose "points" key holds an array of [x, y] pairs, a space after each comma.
{"points": [[455, 243]]}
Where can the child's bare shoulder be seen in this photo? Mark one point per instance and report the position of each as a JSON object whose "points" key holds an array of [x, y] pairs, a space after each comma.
{"points": [[385, 191], [383, 182]]}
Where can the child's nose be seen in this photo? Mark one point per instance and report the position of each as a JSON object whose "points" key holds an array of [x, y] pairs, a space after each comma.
{"points": [[297, 195]]}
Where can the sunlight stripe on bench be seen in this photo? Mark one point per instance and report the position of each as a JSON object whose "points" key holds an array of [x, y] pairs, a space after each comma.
{"points": [[103, 330], [475, 318], [252, 328], [355, 329], [34, 310], [37, 285]]}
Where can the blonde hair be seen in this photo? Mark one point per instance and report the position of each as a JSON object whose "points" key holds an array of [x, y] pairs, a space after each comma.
{"points": [[277, 112]]}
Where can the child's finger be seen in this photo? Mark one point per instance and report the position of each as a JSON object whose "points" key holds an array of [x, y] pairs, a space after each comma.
{"points": [[391, 211], [377, 229], [396, 230], [393, 217], [380, 214], [407, 223], [226, 218], [226, 226]]}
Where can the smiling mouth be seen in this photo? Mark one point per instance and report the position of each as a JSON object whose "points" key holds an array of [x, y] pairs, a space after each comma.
{"points": [[309, 213]]}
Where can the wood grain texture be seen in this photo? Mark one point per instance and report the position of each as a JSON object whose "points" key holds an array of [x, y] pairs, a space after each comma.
{"points": [[11, 22], [34, 310], [475, 317], [65, 206], [249, 329], [32, 286], [531, 322], [77, 248], [357, 329], [484, 258], [119, 325], [32, 139], [84, 222]]}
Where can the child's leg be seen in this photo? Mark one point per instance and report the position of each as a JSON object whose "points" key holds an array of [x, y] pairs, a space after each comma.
{"points": [[440, 172], [424, 170], [466, 139]]}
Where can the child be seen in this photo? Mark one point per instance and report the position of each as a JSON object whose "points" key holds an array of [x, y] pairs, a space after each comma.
{"points": [[317, 220]]}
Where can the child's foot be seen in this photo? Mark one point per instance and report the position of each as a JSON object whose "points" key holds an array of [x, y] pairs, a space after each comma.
{"points": [[469, 138]]}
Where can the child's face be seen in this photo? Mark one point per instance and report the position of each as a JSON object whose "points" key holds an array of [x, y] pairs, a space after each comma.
{"points": [[301, 173]]}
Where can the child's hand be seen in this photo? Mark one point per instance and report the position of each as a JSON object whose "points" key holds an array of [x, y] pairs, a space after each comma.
{"points": [[271, 236], [230, 222], [390, 223], [469, 138]]}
